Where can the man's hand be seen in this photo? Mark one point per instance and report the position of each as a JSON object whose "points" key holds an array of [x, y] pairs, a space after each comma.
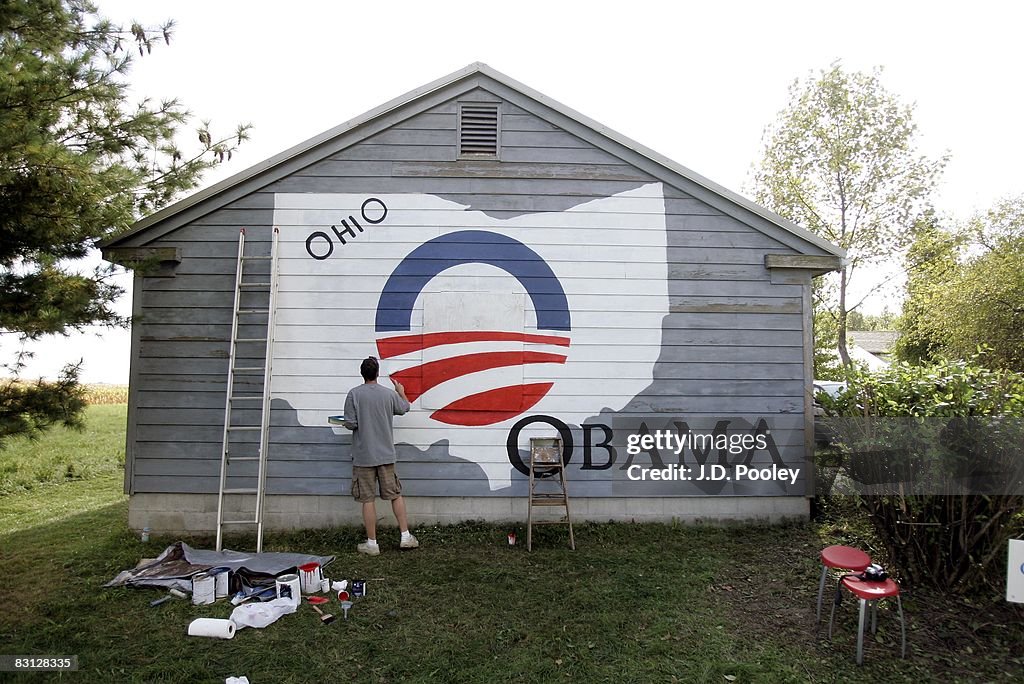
{"points": [[400, 388]]}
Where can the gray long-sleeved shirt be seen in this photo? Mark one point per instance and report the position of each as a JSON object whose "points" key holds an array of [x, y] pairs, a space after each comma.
{"points": [[369, 409]]}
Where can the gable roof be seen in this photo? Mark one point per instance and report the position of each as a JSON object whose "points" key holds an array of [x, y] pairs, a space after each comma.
{"points": [[472, 76], [874, 341]]}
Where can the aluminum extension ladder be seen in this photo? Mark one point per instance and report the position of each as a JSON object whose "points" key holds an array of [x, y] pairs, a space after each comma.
{"points": [[256, 282]]}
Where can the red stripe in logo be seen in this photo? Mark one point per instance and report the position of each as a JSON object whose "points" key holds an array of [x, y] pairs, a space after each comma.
{"points": [[492, 406], [388, 347], [420, 379]]}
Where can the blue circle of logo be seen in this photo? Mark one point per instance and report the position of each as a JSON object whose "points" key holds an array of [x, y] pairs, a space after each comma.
{"points": [[394, 310]]}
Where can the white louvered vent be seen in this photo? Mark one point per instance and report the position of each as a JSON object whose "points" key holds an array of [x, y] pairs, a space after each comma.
{"points": [[478, 130]]}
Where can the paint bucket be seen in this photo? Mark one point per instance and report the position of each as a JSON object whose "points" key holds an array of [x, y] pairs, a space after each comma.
{"points": [[358, 588], [288, 587], [204, 589], [309, 578], [325, 585], [222, 576]]}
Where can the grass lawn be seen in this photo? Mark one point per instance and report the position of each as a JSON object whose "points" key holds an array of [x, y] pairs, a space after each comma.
{"points": [[60, 455], [634, 603]]}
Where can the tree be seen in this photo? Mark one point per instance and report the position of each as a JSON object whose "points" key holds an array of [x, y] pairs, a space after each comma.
{"points": [[841, 161], [969, 291], [930, 263], [78, 163]]}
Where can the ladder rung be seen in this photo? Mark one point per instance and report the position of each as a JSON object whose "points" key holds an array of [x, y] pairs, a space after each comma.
{"points": [[243, 458], [250, 339], [246, 398], [243, 427], [241, 490], [254, 284], [253, 311], [255, 258], [239, 522], [248, 369]]}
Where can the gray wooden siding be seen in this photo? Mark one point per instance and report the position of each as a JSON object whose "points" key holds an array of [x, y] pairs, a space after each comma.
{"points": [[732, 343]]}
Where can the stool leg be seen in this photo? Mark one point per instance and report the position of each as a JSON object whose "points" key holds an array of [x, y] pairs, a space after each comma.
{"points": [[903, 629], [831, 617], [874, 617], [821, 589], [860, 632]]}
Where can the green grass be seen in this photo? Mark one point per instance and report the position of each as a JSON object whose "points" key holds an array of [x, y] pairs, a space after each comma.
{"points": [[634, 603], [60, 454]]}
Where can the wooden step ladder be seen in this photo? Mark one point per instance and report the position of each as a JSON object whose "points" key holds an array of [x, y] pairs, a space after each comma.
{"points": [[247, 408], [545, 463]]}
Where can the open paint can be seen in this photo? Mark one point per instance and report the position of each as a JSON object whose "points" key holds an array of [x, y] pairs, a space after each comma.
{"points": [[288, 587], [309, 578], [204, 589], [221, 577]]}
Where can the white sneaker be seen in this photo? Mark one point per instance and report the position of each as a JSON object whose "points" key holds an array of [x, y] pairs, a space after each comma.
{"points": [[410, 543], [369, 549]]}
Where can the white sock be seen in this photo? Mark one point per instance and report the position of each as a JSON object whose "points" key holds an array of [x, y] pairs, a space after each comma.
{"points": [[371, 542], [406, 535]]}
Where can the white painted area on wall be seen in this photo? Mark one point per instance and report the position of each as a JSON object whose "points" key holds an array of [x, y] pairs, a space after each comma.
{"points": [[607, 255]]}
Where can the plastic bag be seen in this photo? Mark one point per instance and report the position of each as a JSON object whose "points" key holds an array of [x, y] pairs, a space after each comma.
{"points": [[260, 615]]}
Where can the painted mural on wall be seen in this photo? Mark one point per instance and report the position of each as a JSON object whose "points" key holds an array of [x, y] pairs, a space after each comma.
{"points": [[506, 328], [486, 321]]}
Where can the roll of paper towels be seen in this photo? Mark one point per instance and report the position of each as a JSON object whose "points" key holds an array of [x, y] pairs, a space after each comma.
{"points": [[212, 627]]}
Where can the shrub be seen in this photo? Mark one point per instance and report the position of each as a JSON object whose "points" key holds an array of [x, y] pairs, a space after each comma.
{"points": [[952, 462]]}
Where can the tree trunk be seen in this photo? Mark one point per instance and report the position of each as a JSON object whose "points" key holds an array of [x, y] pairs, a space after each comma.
{"points": [[844, 354]]}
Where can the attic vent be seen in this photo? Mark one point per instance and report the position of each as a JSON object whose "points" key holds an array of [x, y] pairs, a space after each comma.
{"points": [[478, 130]]}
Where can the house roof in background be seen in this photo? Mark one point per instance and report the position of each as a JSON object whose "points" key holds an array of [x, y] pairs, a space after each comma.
{"points": [[874, 341]]}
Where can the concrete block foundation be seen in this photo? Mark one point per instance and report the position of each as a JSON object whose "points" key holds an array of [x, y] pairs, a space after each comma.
{"points": [[197, 513]]}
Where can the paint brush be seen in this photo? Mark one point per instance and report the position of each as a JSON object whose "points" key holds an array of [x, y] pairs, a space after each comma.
{"points": [[325, 618]]}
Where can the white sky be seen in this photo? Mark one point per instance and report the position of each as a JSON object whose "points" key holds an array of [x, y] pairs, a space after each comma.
{"points": [[697, 82]]}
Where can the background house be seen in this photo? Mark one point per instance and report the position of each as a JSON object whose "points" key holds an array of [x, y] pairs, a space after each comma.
{"points": [[873, 347], [525, 271]]}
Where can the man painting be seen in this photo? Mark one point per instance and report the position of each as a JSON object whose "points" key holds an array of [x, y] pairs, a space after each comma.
{"points": [[369, 410]]}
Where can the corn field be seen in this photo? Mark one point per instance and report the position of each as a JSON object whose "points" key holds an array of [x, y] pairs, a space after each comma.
{"points": [[106, 394]]}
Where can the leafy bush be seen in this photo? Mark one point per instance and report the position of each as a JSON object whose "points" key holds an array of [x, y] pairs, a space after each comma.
{"points": [[940, 426]]}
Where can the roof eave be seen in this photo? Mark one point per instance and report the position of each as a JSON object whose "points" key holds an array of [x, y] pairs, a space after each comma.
{"points": [[447, 81]]}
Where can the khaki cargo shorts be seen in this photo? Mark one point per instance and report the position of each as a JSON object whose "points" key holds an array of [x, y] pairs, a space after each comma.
{"points": [[382, 478]]}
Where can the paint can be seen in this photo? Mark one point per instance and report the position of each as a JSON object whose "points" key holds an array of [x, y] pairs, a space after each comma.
{"points": [[309, 577], [358, 588], [204, 589], [222, 575], [145, 534], [288, 587], [343, 595], [512, 538], [325, 585]]}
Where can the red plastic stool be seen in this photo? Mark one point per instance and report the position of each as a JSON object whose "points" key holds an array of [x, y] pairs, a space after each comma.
{"points": [[840, 558], [871, 592]]}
